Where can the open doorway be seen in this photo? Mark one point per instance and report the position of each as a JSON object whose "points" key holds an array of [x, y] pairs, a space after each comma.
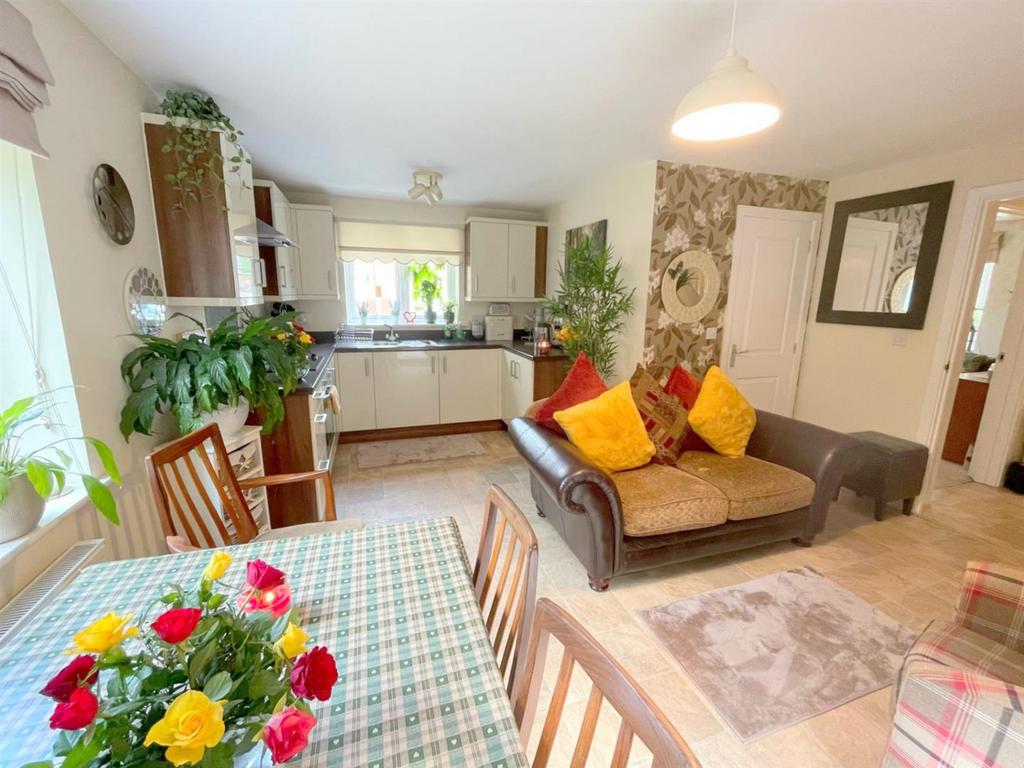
{"points": [[984, 430]]}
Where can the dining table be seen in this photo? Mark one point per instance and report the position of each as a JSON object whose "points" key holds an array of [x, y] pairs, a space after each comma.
{"points": [[418, 682]]}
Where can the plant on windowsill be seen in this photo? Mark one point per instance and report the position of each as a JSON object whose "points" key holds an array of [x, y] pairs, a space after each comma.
{"points": [[191, 119], [363, 309], [29, 477], [449, 312], [593, 302], [425, 282], [255, 363]]}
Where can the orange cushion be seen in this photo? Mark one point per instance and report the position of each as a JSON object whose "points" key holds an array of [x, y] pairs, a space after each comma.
{"points": [[581, 384]]}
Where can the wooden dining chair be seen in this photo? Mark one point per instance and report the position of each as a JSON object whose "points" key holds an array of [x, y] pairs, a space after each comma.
{"points": [[505, 578], [609, 681], [200, 501]]}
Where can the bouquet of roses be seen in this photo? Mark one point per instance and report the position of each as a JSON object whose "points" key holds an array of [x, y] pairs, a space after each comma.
{"points": [[213, 676]]}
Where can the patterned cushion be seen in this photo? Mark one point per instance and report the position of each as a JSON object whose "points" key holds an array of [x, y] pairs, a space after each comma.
{"points": [[657, 499], [992, 602], [955, 646], [949, 718], [664, 416], [754, 488]]}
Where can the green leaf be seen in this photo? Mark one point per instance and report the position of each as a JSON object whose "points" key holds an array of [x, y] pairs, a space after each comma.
{"points": [[13, 413], [101, 498], [106, 458], [60, 478], [82, 753], [39, 475], [220, 756], [218, 686], [200, 659], [5, 486], [39, 764], [265, 683]]}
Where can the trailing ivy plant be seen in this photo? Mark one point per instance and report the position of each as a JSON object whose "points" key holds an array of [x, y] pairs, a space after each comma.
{"points": [[191, 118], [196, 374], [593, 302]]}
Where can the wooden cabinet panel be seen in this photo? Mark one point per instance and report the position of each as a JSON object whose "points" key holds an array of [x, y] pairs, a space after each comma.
{"points": [[469, 385], [356, 388], [522, 257], [405, 389]]}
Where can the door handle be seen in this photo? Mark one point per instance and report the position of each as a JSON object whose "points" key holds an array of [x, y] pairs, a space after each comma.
{"points": [[263, 272], [476, 283], [444, 365], [320, 418], [732, 356], [433, 364], [513, 283], [366, 366], [284, 276]]}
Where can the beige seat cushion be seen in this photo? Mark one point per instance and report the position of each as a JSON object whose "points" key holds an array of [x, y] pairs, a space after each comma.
{"points": [[310, 529], [753, 487], [657, 499]]}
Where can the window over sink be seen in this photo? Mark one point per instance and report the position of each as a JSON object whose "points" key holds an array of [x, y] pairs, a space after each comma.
{"points": [[382, 292]]}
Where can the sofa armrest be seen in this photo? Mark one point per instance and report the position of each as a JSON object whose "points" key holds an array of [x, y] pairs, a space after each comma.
{"points": [[992, 602], [821, 454], [946, 716]]}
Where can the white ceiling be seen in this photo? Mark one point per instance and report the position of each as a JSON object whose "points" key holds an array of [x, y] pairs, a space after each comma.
{"points": [[518, 104]]}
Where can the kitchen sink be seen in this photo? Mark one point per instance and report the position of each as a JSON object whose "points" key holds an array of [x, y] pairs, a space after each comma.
{"points": [[405, 343]]}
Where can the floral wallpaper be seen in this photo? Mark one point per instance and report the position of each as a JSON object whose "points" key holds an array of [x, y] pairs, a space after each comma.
{"points": [[911, 220], [695, 208]]}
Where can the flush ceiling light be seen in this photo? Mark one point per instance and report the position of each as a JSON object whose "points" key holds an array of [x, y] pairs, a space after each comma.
{"points": [[426, 184], [732, 101]]}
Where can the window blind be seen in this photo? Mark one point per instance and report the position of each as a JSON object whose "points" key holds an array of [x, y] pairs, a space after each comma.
{"points": [[404, 243]]}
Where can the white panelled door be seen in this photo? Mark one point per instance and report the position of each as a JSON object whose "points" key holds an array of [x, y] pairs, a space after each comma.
{"points": [[769, 287]]}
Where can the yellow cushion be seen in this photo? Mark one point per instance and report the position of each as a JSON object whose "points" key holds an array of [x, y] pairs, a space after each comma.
{"points": [[608, 430], [722, 416]]}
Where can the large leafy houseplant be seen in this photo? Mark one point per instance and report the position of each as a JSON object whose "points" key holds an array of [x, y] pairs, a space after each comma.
{"points": [[191, 119], [259, 359], [425, 286], [219, 671], [593, 302], [47, 467]]}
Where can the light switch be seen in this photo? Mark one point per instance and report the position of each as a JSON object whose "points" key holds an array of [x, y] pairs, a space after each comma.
{"points": [[711, 333], [900, 339]]}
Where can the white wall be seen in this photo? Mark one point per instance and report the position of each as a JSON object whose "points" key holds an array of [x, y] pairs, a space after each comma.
{"points": [[93, 118], [625, 197], [858, 377], [1000, 290], [321, 315]]}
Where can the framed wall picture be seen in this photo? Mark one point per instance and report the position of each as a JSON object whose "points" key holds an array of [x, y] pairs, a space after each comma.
{"points": [[597, 231]]}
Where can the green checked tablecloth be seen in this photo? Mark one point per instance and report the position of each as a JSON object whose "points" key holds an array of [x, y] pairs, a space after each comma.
{"points": [[418, 682]]}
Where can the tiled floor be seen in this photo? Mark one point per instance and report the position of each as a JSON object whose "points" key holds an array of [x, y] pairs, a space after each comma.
{"points": [[908, 566]]}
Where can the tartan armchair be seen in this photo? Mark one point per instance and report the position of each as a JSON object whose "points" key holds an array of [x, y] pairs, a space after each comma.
{"points": [[960, 695]]}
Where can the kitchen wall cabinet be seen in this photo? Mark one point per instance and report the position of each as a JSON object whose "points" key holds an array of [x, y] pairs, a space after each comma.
{"points": [[469, 385], [208, 247], [505, 260], [405, 389], [517, 385], [356, 389], [317, 251]]}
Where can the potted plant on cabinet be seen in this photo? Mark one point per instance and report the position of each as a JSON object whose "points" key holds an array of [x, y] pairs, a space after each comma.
{"points": [[593, 302], [198, 379], [29, 476]]}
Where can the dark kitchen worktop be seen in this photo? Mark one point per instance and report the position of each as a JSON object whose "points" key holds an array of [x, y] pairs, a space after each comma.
{"points": [[522, 348]]}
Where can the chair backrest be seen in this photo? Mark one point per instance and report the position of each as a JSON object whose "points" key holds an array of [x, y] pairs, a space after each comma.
{"points": [[640, 715], [196, 492], [505, 577]]}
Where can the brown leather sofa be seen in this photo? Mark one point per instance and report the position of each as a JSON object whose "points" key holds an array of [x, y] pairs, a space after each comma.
{"points": [[707, 504]]}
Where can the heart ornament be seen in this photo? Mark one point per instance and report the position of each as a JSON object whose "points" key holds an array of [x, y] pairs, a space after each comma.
{"points": [[409, 316]]}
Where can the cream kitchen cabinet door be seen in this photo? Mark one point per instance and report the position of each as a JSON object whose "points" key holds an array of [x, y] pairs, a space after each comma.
{"points": [[516, 385], [522, 260], [405, 388], [356, 389], [317, 252], [469, 385], [487, 244]]}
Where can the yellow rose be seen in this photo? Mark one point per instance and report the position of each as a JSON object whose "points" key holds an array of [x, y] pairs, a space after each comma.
{"points": [[305, 338], [191, 724], [219, 562], [104, 633], [292, 642]]}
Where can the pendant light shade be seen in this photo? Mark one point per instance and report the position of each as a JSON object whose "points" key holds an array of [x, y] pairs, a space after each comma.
{"points": [[732, 101]]}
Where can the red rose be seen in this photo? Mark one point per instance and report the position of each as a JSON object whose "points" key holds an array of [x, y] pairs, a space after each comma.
{"points": [[77, 712], [260, 575], [174, 626], [80, 671], [314, 674], [287, 733]]}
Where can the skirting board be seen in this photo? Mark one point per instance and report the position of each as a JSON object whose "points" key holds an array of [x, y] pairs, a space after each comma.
{"points": [[426, 430]]}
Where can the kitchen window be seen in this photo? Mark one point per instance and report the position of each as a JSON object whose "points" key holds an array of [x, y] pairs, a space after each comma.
{"points": [[389, 268]]}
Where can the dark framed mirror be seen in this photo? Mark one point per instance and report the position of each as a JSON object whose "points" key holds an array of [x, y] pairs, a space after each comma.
{"points": [[881, 258]]}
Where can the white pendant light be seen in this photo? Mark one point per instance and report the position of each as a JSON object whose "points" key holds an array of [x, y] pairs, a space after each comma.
{"points": [[426, 184], [732, 101]]}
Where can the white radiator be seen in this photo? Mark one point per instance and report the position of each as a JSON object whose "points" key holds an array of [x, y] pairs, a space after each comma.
{"points": [[48, 584]]}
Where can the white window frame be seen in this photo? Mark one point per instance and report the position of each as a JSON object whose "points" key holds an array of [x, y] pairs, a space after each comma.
{"points": [[453, 277]]}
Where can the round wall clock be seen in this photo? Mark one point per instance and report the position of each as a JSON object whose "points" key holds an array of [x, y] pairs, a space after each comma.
{"points": [[113, 204], [690, 286]]}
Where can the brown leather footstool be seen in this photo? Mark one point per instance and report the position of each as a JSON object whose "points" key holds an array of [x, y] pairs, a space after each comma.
{"points": [[891, 469]]}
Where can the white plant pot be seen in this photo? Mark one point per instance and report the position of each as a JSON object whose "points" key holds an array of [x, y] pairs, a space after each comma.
{"points": [[21, 511], [230, 420]]}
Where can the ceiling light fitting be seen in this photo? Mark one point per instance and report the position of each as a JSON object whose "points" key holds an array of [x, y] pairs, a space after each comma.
{"points": [[426, 184], [732, 101]]}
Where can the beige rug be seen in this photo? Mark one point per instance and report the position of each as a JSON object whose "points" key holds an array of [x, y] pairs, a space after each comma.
{"points": [[771, 652], [386, 453]]}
